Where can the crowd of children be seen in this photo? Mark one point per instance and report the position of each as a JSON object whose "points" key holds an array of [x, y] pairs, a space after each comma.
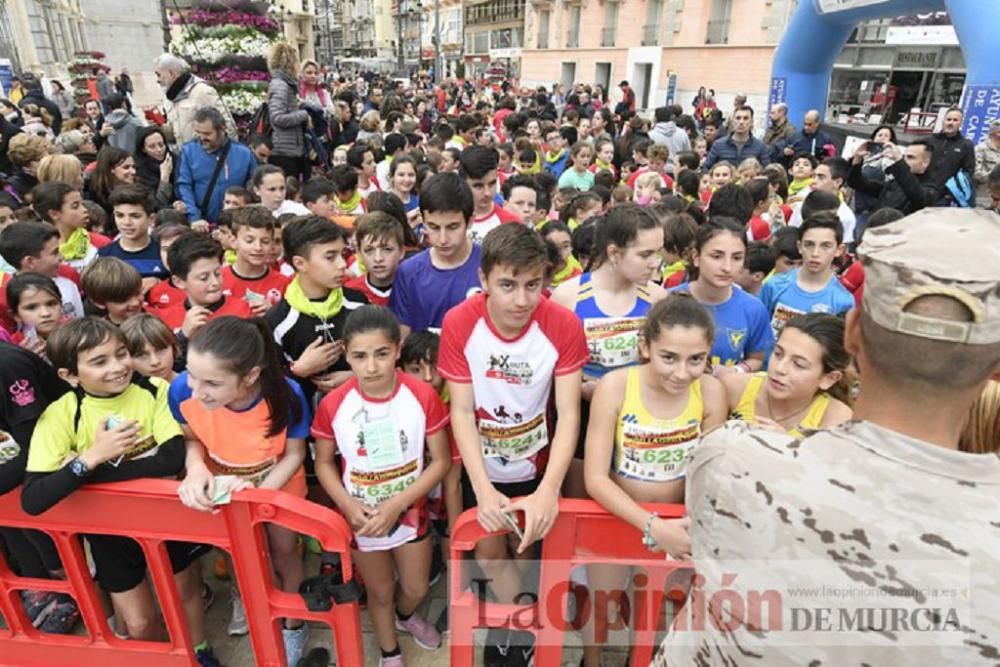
{"points": [[470, 321]]}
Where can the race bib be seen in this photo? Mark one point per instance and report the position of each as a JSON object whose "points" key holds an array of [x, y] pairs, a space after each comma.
{"points": [[781, 317], [254, 473], [613, 342], [382, 444], [655, 455], [374, 488], [513, 441]]}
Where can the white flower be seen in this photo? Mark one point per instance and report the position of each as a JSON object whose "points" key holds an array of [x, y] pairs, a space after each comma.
{"points": [[213, 49], [243, 102]]}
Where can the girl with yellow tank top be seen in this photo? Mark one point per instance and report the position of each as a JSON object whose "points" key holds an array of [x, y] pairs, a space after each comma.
{"points": [[612, 299], [804, 387], [644, 422]]}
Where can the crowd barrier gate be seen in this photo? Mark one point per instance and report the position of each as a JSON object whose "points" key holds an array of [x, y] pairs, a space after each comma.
{"points": [[584, 533], [149, 512]]}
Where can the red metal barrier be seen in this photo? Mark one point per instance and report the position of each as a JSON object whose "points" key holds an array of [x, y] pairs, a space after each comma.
{"points": [[584, 533], [149, 512]]}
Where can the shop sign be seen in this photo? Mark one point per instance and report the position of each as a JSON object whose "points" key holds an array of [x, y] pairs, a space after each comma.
{"points": [[922, 34], [917, 58], [496, 54], [833, 6]]}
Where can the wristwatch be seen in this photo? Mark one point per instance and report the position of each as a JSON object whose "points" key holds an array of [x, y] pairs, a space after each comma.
{"points": [[78, 467]]}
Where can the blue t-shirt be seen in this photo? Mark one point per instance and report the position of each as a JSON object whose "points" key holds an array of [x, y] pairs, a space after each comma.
{"points": [[146, 261], [180, 393], [423, 293], [784, 299], [741, 327], [412, 204]]}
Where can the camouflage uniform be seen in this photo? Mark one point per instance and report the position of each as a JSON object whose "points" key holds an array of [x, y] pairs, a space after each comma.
{"points": [[858, 519]]}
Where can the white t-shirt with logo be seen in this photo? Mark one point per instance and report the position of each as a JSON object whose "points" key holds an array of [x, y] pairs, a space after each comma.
{"points": [[381, 443], [511, 380]]}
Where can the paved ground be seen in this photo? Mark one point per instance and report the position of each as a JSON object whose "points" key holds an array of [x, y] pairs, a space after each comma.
{"points": [[236, 652]]}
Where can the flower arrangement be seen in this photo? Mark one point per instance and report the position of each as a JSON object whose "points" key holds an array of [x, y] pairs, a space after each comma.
{"points": [[226, 42], [214, 49], [242, 102], [235, 74], [232, 17]]}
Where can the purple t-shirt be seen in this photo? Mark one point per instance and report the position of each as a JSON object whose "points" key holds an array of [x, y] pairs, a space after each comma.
{"points": [[423, 293]]}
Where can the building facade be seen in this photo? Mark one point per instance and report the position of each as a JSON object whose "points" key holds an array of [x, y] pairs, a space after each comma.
{"points": [[666, 49], [449, 32], [903, 70], [494, 38], [42, 37]]}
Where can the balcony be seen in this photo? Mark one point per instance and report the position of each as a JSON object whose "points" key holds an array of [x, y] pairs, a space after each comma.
{"points": [[608, 36], [650, 34], [573, 39], [718, 32]]}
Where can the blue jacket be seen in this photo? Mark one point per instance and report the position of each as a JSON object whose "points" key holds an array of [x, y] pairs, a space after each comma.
{"points": [[196, 169], [801, 143], [558, 167], [724, 148]]}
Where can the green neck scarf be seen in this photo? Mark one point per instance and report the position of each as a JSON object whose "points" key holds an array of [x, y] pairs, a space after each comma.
{"points": [[552, 158], [603, 166], [76, 246], [572, 265], [322, 310], [350, 205]]}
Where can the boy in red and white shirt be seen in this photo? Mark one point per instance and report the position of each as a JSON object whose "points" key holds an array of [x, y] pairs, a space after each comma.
{"points": [[379, 239], [479, 169], [250, 278], [502, 352]]}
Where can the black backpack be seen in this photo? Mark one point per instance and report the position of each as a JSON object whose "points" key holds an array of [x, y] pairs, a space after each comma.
{"points": [[260, 122]]}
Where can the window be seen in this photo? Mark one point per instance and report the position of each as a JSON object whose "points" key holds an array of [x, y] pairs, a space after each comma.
{"points": [[610, 24], [573, 35], [543, 28], [718, 24], [650, 31]]}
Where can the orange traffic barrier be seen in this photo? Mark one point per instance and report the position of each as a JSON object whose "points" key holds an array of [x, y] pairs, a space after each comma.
{"points": [[149, 512], [584, 534]]}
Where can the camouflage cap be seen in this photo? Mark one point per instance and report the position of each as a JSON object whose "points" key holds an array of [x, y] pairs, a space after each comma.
{"points": [[937, 251]]}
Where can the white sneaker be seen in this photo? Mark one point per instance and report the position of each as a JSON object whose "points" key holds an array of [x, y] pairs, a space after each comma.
{"points": [[238, 622]]}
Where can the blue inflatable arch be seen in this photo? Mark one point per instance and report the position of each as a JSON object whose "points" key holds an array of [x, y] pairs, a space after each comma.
{"points": [[818, 30]]}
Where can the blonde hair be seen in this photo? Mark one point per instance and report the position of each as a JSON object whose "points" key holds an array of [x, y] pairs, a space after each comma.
{"points": [[751, 163], [24, 149], [647, 179], [307, 62], [61, 167], [981, 434], [371, 121], [283, 58]]}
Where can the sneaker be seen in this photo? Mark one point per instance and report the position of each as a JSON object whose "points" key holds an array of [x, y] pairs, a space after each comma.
{"points": [[38, 605], [394, 661], [62, 616], [207, 596], [113, 626], [295, 643], [423, 632], [206, 658], [238, 621]]}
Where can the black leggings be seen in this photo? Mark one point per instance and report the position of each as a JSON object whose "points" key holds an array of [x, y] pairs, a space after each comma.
{"points": [[292, 166], [33, 552]]}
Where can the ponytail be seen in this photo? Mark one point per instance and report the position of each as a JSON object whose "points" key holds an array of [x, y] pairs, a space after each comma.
{"points": [[243, 344]]}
